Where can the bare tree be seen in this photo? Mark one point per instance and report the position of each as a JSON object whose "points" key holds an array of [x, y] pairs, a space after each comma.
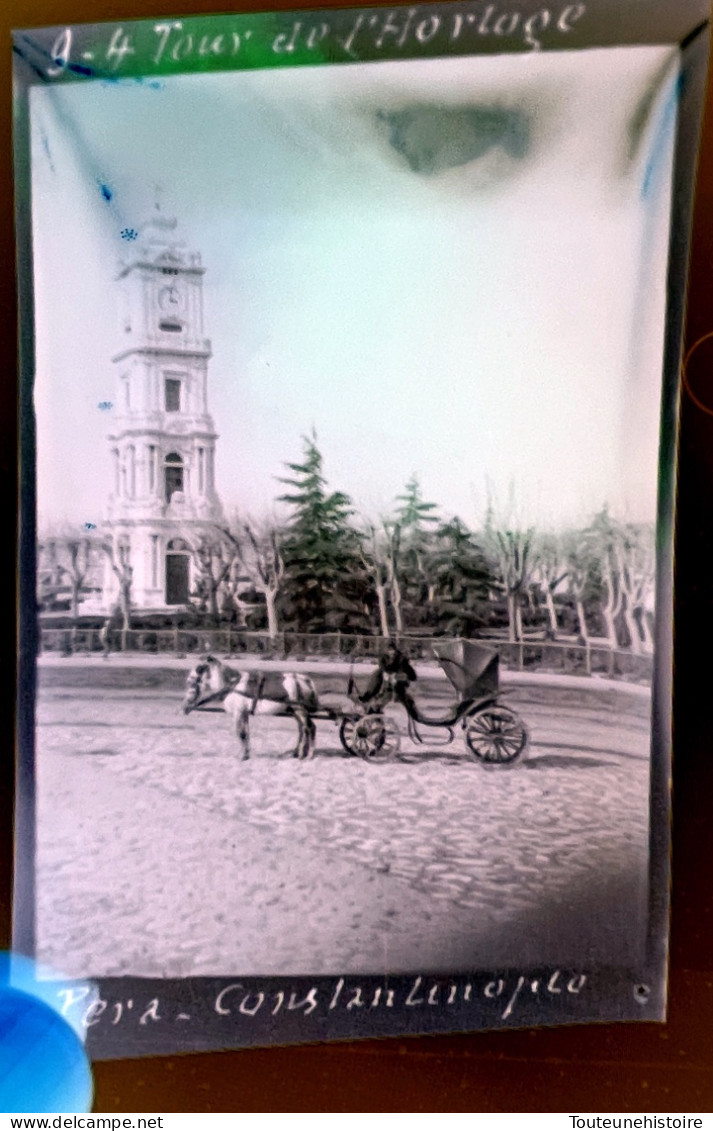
{"points": [[380, 557], [213, 553], [257, 549], [624, 553], [602, 537], [68, 557], [634, 554], [612, 598], [49, 569], [118, 552], [509, 548], [509, 545], [579, 567], [550, 570], [374, 560], [512, 553], [392, 568]]}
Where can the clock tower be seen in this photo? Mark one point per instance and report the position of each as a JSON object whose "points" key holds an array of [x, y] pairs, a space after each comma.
{"points": [[163, 438]]}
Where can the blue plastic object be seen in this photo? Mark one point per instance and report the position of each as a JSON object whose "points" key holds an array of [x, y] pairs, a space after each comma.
{"points": [[43, 1065]]}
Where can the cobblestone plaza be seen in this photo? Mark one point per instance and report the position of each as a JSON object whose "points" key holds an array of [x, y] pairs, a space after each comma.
{"points": [[160, 854]]}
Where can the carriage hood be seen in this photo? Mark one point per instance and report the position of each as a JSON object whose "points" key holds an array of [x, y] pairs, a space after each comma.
{"points": [[471, 667]]}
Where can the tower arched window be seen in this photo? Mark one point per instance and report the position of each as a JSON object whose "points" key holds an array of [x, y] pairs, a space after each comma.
{"points": [[173, 474]]}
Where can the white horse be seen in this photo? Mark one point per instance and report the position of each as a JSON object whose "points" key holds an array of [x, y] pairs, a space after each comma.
{"points": [[243, 694]]}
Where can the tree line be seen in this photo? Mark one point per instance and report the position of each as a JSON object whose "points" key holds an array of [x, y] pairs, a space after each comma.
{"points": [[324, 568]]}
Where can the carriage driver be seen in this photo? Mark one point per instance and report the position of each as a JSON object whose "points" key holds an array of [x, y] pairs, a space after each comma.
{"points": [[390, 680]]}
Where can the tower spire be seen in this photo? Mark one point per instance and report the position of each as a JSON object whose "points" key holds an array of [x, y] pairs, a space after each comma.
{"points": [[159, 219]]}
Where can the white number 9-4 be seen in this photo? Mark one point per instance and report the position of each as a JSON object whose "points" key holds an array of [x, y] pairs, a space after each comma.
{"points": [[60, 52]]}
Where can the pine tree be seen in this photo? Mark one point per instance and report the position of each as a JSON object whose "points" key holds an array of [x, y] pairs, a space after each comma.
{"points": [[414, 513], [415, 519], [463, 579], [324, 585]]}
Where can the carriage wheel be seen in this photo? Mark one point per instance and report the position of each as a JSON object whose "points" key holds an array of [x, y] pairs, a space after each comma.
{"points": [[372, 737], [496, 736]]}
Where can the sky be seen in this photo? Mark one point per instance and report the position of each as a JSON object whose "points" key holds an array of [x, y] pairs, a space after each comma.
{"points": [[448, 268]]}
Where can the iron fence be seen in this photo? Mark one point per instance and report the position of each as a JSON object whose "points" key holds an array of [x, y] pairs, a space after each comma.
{"points": [[589, 658]]}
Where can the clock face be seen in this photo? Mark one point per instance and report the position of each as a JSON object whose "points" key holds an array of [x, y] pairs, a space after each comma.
{"points": [[171, 299]]}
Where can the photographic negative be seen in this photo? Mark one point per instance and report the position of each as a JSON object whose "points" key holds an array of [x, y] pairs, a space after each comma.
{"points": [[351, 341]]}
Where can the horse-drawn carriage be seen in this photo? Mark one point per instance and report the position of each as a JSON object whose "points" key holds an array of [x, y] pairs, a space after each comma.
{"points": [[493, 733], [372, 729]]}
